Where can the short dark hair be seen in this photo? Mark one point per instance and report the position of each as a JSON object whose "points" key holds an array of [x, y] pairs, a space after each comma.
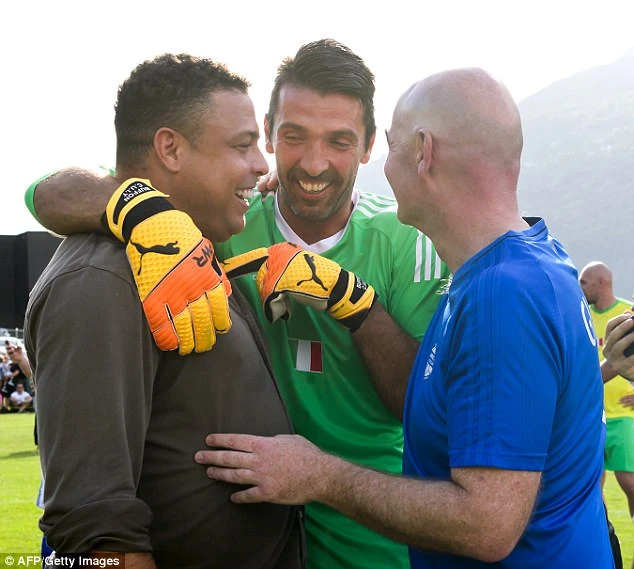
{"points": [[327, 66], [168, 91]]}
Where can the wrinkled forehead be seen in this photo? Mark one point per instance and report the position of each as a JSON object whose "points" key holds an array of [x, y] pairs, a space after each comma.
{"points": [[294, 99]]}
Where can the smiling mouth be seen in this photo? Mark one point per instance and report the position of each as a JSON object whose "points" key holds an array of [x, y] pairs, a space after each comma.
{"points": [[313, 187], [244, 193]]}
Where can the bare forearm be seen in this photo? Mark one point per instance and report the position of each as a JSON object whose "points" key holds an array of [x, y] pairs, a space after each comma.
{"points": [[25, 368], [438, 515], [23, 364], [73, 201], [388, 352], [384, 502], [475, 512]]}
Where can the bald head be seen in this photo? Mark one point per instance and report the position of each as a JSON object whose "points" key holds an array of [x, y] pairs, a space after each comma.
{"points": [[596, 282], [471, 116], [454, 161], [597, 270]]}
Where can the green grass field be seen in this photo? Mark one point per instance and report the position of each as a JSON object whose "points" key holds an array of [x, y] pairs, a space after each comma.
{"points": [[20, 475]]}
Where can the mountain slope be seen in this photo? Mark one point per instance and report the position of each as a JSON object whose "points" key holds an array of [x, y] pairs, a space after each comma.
{"points": [[578, 165]]}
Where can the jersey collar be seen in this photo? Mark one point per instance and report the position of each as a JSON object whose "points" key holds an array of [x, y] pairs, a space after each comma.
{"points": [[320, 246]]}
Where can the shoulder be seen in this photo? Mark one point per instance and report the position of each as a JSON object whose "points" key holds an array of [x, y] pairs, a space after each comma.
{"points": [[90, 250], [89, 255], [375, 226], [376, 207], [260, 217], [510, 283], [378, 213], [259, 205]]}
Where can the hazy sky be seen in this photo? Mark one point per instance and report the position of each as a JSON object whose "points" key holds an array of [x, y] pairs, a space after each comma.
{"points": [[65, 59]]}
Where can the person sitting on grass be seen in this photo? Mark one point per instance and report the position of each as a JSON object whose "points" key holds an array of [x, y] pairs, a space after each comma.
{"points": [[20, 399]]}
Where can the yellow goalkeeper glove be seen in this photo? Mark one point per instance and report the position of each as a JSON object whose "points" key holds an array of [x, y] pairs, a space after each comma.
{"points": [[182, 286], [292, 272]]}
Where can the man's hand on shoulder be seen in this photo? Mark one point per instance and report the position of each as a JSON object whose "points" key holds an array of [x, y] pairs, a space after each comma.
{"points": [[308, 278], [268, 183]]}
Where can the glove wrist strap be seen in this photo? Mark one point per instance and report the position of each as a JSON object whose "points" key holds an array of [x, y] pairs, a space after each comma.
{"points": [[351, 300], [132, 202]]}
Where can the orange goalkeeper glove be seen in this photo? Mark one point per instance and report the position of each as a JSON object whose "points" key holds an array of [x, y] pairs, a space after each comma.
{"points": [[245, 263], [292, 272], [182, 286]]}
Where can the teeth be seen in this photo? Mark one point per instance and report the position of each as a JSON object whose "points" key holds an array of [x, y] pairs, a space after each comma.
{"points": [[313, 187], [245, 194]]}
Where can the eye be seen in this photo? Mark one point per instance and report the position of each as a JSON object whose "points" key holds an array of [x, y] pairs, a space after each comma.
{"points": [[244, 147], [341, 143]]}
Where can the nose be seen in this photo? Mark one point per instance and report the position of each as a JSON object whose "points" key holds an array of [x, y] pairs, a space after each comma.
{"points": [[314, 160], [260, 165]]}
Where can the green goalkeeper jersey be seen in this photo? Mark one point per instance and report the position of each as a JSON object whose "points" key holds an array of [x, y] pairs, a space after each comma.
{"points": [[322, 378]]}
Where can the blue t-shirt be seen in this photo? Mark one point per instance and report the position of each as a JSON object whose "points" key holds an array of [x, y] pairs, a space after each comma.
{"points": [[508, 377]]}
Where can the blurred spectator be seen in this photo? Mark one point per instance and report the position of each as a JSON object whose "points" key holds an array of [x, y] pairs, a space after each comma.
{"points": [[19, 373], [20, 399], [19, 367], [4, 367], [618, 350], [596, 281], [4, 379]]}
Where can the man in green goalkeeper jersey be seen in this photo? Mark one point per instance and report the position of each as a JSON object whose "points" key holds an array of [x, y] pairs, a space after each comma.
{"points": [[343, 388]]}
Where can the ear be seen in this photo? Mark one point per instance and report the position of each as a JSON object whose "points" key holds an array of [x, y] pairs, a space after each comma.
{"points": [[424, 145], [169, 146], [366, 157], [267, 135]]}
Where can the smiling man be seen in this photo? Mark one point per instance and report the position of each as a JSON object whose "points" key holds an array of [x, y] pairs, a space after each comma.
{"points": [[343, 385], [340, 385], [118, 419]]}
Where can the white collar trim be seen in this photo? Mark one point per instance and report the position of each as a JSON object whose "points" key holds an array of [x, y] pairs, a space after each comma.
{"points": [[320, 246]]}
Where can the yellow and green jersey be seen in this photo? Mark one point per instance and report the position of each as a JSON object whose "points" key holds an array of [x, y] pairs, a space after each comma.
{"points": [[324, 383], [619, 386]]}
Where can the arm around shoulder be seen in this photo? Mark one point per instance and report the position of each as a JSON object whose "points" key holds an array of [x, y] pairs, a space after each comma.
{"points": [[71, 200]]}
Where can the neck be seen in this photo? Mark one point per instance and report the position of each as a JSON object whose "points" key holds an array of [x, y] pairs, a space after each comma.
{"points": [[605, 301], [312, 230], [457, 242], [469, 208]]}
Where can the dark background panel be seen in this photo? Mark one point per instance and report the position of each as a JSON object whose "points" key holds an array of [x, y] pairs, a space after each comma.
{"points": [[22, 259]]}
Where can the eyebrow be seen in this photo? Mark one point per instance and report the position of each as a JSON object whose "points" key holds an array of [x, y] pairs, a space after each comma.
{"points": [[341, 132], [252, 134]]}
